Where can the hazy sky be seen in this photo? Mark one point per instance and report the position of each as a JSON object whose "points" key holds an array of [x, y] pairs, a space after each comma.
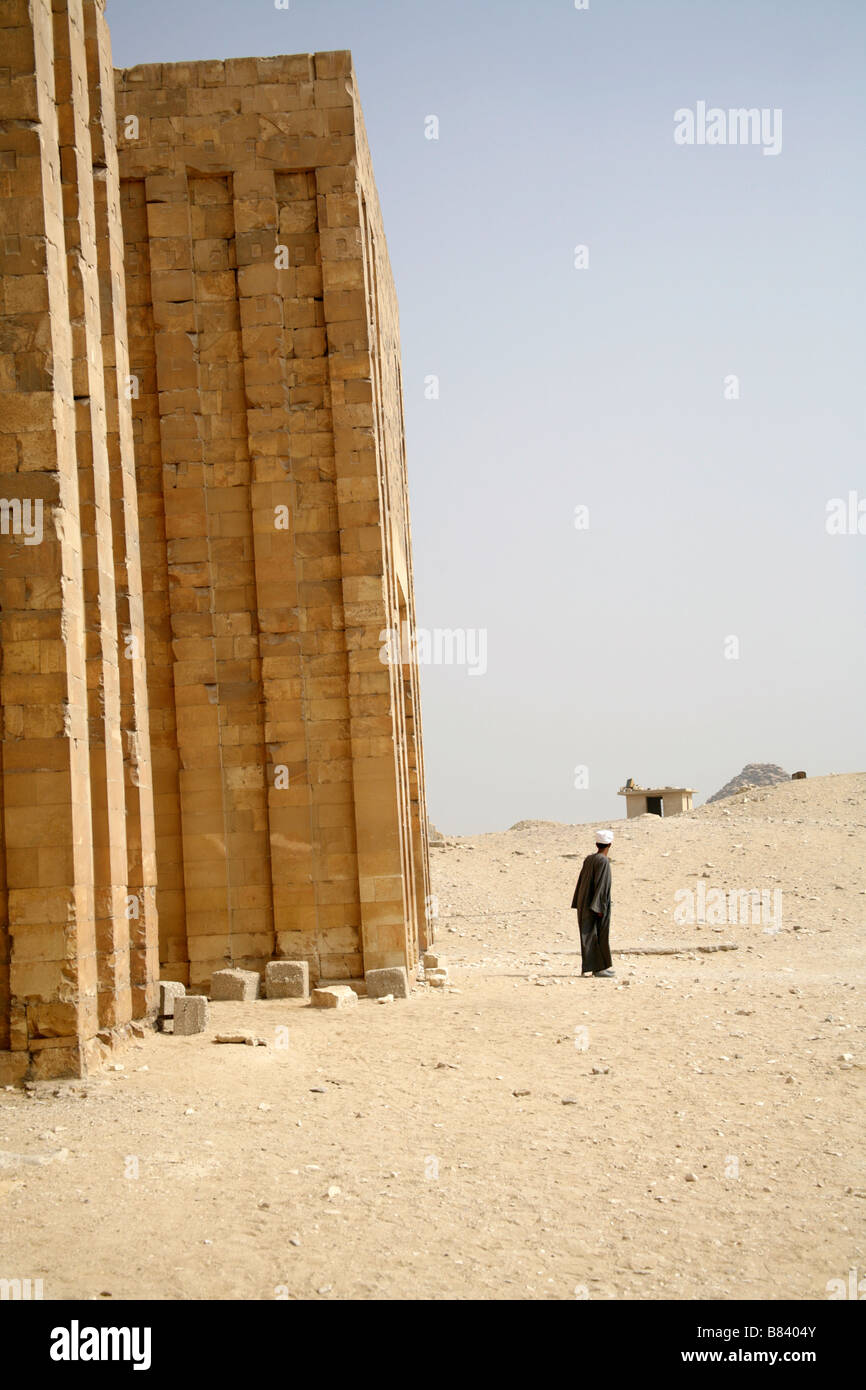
{"points": [[605, 387]]}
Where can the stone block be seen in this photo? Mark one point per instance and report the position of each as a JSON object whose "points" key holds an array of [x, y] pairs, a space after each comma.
{"points": [[13, 1067], [432, 960], [235, 984], [392, 980], [190, 1015], [169, 992], [437, 978], [246, 1039], [287, 979], [333, 997]]}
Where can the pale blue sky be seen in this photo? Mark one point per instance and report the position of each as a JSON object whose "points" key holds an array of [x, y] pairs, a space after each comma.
{"points": [[604, 386]]}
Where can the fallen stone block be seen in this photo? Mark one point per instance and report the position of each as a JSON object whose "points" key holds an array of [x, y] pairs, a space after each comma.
{"points": [[190, 1015], [169, 991], [437, 978], [287, 979], [235, 984], [249, 1039], [432, 960], [333, 997], [392, 980], [10, 1161]]}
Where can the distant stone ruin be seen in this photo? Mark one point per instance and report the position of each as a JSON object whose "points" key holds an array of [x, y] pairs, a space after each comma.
{"points": [[752, 775]]}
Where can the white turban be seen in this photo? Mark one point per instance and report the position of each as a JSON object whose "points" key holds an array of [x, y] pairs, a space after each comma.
{"points": [[604, 837]]}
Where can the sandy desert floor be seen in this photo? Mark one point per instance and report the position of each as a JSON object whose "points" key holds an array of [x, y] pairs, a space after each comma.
{"points": [[691, 1129]]}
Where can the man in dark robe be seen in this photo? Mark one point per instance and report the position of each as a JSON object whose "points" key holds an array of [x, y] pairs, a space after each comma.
{"points": [[592, 900]]}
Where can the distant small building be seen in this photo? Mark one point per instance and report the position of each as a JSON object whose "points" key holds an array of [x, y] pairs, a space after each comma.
{"points": [[655, 801]]}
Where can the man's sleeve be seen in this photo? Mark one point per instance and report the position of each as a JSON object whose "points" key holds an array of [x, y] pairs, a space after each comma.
{"points": [[601, 894], [577, 887]]}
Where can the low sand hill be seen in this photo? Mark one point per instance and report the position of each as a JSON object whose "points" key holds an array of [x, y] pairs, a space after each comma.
{"points": [[690, 1129]]}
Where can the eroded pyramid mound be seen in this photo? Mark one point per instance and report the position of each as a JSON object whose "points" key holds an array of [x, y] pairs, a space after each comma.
{"points": [[752, 775]]}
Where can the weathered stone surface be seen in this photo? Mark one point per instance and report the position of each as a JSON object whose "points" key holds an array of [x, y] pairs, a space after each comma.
{"points": [[246, 1039], [235, 984], [169, 991], [392, 980], [13, 1067], [437, 978], [219, 287], [190, 1015], [752, 775], [287, 979], [334, 997], [432, 960], [265, 313], [77, 891]]}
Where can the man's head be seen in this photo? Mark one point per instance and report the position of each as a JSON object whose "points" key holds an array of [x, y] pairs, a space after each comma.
{"points": [[603, 841]]}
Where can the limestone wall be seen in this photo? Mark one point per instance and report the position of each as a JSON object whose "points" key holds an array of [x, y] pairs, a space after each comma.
{"points": [[204, 537], [264, 339], [78, 928]]}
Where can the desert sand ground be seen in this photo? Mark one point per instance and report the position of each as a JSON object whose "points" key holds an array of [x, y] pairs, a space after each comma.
{"points": [[691, 1129]]}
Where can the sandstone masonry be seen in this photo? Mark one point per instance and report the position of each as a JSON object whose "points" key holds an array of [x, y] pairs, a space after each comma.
{"points": [[204, 762]]}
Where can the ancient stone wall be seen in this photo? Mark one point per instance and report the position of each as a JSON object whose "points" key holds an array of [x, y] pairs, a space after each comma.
{"points": [[78, 931], [264, 341], [204, 537]]}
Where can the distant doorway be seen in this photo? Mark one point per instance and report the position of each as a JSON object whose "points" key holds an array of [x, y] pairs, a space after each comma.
{"points": [[654, 805]]}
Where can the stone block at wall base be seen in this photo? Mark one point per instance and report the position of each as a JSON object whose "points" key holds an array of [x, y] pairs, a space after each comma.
{"points": [[393, 980], [190, 1015], [333, 997], [235, 984], [169, 991], [287, 979]]}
